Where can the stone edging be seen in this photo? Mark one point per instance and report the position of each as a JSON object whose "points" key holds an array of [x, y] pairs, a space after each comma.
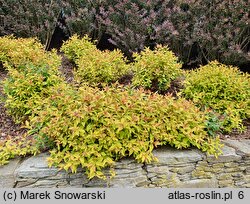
{"points": [[176, 168]]}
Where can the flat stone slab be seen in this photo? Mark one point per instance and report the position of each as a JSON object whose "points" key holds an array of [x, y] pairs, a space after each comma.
{"points": [[241, 147], [37, 167], [7, 179], [229, 155], [199, 183], [171, 156], [127, 163], [188, 168]]}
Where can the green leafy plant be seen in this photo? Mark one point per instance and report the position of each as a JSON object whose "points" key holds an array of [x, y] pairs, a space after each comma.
{"points": [[94, 66], [24, 86], [76, 47], [222, 88], [155, 69], [213, 124], [31, 70], [18, 146], [16, 52], [101, 67], [93, 128]]}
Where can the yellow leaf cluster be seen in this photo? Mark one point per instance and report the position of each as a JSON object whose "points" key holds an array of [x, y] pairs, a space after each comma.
{"points": [[223, 89], [85, 126]]}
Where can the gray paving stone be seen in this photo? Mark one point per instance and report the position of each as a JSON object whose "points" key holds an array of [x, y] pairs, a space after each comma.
{"points": [[229, 155], [35, 167], [241, 147], [7, 178], [170, 156], [199, 183], [176, 168]]}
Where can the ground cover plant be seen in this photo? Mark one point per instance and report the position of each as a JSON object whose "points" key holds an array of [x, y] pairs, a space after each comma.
{"points": [[94, 128], [24, 86], [94, 66], [16, 52], [86, 126], [31, 70], [155, 69], [224, 89]]}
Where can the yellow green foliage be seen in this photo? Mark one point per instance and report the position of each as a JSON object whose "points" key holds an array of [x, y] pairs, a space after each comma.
{"points": [[155, 68], [31, 70], [94, 66], [20, 51], [24, 86], [93, 128], [18, 146], [100, 67], [224, 89], [75, 47]]}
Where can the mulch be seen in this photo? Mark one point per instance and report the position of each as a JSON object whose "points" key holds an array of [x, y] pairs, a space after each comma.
{"points": [[8, 128], [67, 68], [238, 135]]}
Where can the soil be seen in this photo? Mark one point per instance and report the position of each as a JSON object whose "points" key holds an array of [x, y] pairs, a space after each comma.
{"points": [[237, 135], [8, 128], [67, 68]]}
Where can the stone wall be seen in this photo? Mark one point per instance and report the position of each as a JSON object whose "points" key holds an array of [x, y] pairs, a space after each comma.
{"points": [[176, 168]]}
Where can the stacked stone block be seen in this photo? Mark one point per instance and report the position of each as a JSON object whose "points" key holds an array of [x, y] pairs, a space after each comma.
{"points": [[175, 168]]}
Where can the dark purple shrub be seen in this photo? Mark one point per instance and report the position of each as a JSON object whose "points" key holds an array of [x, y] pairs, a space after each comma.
{"points": [[29, 18], [217, 29], [81, 17], [136, 24], [198, 31]]}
